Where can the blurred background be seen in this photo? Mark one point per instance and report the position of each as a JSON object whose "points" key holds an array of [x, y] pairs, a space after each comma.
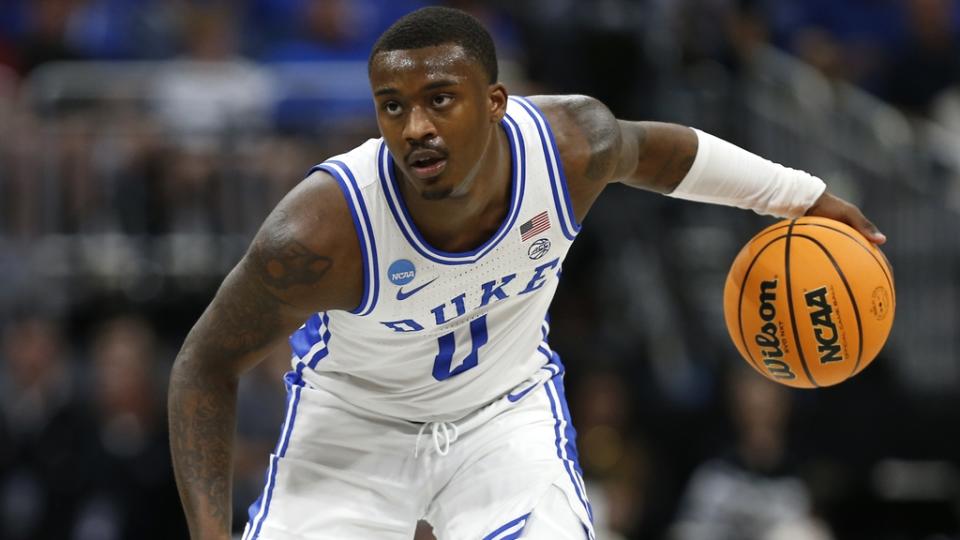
{"points": [[142, 142]]}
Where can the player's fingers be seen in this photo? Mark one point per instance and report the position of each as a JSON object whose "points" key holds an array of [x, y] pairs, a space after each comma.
{"points": [[865, 226], [851, 215], [833, 207], [872, 232]]}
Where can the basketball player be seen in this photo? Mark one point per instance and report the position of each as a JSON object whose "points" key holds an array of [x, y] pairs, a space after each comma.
{"points": [[412, 276]]}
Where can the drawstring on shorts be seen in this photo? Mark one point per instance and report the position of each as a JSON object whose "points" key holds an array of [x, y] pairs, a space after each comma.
{"points": [[444, 434]]}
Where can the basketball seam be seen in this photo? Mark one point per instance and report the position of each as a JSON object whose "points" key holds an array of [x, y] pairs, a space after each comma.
{"points": [[853, 301], [884, 264], [793, 318], [743, 282]]}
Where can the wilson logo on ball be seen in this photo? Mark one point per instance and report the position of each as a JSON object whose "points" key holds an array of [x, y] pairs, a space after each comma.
{"points": [[823, 328], [767, 338], [809, 302]]}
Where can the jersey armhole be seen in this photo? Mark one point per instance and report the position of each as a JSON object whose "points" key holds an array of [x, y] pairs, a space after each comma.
{"points": [[361, 222], [558, 178]]}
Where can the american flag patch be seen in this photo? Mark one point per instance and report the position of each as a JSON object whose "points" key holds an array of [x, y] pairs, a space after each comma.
{"points": [[535, 226]]}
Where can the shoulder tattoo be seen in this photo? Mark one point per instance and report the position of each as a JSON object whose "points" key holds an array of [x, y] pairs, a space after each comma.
{"points": [[600, 129], [603, 150], [282, 261]]}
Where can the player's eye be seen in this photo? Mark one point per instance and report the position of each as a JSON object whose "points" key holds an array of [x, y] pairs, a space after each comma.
{"points": [[392, 108], [442, 100]]}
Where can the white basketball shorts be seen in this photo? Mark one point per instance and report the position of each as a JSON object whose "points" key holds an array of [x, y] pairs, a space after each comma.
{"points": [[340, 472]]}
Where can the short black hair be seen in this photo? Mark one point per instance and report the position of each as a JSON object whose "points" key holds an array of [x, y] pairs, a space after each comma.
{"points": [[430, 26]]}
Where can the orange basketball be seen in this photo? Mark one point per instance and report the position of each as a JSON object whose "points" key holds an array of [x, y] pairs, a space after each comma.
{"points": [[809, 302]]}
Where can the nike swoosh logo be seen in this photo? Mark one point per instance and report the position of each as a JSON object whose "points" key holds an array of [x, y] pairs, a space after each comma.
{"points": [[404, 295], [519, 395]]}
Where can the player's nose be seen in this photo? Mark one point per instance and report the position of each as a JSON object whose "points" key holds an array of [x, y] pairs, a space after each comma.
{"points": [[418, 126]]}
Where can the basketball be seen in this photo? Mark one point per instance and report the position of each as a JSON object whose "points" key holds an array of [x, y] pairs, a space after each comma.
{"points": [[809, 302]]}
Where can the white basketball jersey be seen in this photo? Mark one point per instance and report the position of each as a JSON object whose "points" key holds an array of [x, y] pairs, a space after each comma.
{"points": [[438, 334]]}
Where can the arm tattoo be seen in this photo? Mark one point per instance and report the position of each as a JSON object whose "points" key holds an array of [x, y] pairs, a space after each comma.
{"points": [[283, 262], [675, 166], [202, 417], [598, 126], [249, 317], [245, 322], [603, 141], [293, 264], [250, 312], [664, 155], [243, 319]]}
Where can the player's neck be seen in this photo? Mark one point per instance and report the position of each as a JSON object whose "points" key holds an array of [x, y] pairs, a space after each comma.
{"points": [[463, 223]]}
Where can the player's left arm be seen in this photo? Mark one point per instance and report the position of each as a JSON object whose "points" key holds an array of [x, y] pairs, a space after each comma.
{"points": [[597, 149]]}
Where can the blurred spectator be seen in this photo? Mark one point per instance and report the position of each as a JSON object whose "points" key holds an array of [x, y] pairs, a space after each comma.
{"points": [[593, 47], [45, 36], [746, 27], [340, 32], [130, 492], [213, 91], [19, 205], [8, 53], [328, 31], [945, 110], [614, 461], [211, 103], [850, 40], [929, 61], [740, 30], [81, 191], [107, 29], [42, 426], [271, 25], [12, 23], [752, 492]]}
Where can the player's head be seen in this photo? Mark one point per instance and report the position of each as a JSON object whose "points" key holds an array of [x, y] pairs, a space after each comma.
{"points": [[434, 79], [439, 26]]}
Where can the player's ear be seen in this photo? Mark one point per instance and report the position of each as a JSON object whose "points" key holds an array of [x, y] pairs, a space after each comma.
{"points": [[497, 102]]}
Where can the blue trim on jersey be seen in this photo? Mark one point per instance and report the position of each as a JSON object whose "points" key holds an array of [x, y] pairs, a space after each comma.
{"points": [[522, 520], [307, 335], [316, 331], [294, 388], [547, 352], [514, 397], [361, 222], [515, 535], [321, 354], [388, 179], [566, 439], [558, 180]]}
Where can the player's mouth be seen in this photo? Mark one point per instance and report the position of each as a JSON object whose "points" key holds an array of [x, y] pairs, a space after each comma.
{"points": [[426, 163]]}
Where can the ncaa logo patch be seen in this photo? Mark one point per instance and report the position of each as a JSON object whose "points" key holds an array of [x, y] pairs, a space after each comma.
{"points": [[539, 248], [401, 272]]}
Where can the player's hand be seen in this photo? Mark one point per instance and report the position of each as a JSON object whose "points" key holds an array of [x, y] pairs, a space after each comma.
{"points": [[833, 207]]}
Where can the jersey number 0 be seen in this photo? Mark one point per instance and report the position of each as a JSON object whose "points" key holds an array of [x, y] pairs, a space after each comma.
{"points": [[448, 344]]}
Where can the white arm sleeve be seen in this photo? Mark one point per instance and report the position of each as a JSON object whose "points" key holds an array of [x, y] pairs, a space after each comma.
{"points": [[723, 173]]}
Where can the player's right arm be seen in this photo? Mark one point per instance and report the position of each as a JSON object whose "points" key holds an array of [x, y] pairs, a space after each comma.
{"points": [[598, 149], [304, 259]]}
